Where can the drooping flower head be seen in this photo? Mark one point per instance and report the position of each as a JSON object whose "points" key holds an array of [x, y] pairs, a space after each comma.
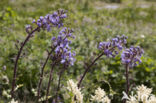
{"points": [[62, 48], [112, 47], [132, 55], [50, 20]]}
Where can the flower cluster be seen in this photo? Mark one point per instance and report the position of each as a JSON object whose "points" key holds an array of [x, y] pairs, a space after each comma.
{"points": [[72, 87], [143, 92], [62, 48], [112, 47], [50, 20], [100, 96], [143, 95], [131, 56]]}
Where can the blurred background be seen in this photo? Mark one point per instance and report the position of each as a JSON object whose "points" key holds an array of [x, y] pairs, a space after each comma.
{"points": [[93, 21]]}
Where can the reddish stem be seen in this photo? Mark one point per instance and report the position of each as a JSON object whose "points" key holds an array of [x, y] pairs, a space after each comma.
{"points": [[17, 58], [41, 75], [50, 78], [127, 79], [79, 83], [59, 81]]}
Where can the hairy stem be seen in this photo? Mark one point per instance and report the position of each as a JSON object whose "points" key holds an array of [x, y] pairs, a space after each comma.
{"points": [[127, 79], [17, 58], [59, 81], [50, 78], [88, 68], [41, 75]]}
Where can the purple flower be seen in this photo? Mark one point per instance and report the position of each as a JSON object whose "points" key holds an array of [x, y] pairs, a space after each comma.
{"points": [[51, 20], [63, 16], [63, 61], [55, 13], [68, 58], [112, 47], [34, 21], [62, 38], [62, 48], [48, 27], [132, 56], [41, 18], [28, 28], [66, 32], [39, 24]]}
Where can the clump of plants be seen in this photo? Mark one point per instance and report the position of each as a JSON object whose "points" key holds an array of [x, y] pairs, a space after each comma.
{"points": [[62, 55]]}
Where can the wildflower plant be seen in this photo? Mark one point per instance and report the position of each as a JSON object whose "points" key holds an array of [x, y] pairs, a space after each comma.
{"points": [[62, 52], [110, 49], [130, 58], [63, 56], [45, 23]]}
